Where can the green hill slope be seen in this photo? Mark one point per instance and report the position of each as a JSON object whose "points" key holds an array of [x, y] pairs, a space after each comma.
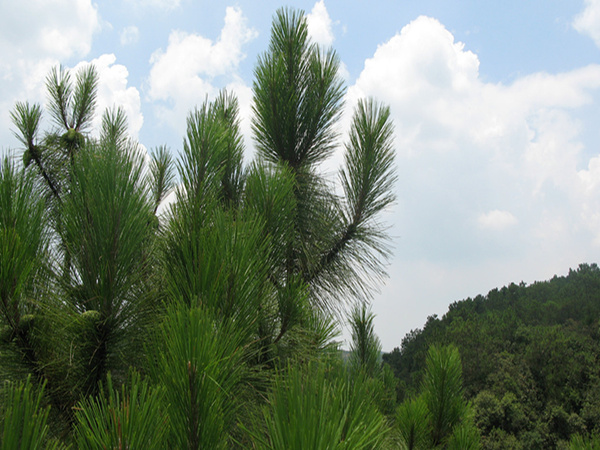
{"points": [[530, 359]]}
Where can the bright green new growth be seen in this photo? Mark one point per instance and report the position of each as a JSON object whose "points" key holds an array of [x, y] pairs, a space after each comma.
{"points": [[320, 407], [412, 419], [131, 418], [439, 417], [365, 346], [200, 365], [465, 436], [443, 391], [579, 442]]}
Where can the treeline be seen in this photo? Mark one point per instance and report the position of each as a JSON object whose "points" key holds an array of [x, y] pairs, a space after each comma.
{"points": [[530, 359]]}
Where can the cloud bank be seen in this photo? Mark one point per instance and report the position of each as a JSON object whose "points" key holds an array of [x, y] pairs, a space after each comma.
{"points": [[34, 37], [495, 183]]}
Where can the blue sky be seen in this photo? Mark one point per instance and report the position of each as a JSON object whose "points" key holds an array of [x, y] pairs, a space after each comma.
{"points": [[496, 108]]}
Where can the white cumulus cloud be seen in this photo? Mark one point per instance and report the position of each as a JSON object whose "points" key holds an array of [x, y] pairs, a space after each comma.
{"points": [[465, 146], [34, 37], [52, 28], [194, 67], [588, 21], [319, 24], [428, 78]]}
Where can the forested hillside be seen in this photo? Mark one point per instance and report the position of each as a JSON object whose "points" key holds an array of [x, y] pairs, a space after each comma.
{"points": [[530, 359]]}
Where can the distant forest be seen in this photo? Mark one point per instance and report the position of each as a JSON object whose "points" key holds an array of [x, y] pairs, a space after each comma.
{"points": [[529, 361]]}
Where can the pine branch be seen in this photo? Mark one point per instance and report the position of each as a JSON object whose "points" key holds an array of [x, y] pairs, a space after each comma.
{"points": [[27, 119], [84, 98], [113, 130], [162, 174], [367, 179], [58, 84]]}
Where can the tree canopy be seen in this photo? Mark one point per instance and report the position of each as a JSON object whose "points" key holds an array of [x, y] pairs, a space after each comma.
{"points": [[124, 327], [529, 357]]}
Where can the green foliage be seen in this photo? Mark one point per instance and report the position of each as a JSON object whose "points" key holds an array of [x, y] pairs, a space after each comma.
{"points": [[297, 96], [439, 417], [412, 421], [319, 407], [212, 152], [353, 262], [23, 243], [105, 218], [72, 106], [465, 436], [443, 392], [209, 264], [107, 237], [113, 131], [23, 418], [578, 442], [364, 360], [228, 294], [130, 419], [389, 384], [332, 244], [368, 177], [365, 346], [199, 362], [27, 119], [531, 369], [24, 248], [162, 175]]}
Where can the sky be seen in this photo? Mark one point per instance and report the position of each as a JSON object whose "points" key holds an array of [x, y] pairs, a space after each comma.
{"points": [[496, 108]]}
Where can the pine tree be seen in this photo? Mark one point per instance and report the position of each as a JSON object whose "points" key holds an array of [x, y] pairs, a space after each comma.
{"points": [[197, 319]]}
